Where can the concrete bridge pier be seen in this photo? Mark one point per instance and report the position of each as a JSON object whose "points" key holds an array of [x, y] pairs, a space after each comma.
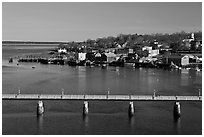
{"points": [[131, 110], [85, 108], [177, 109], [40, 108]]}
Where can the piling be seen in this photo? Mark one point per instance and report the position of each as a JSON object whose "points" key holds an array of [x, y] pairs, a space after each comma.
{"points": [[131, 110], [85, 108], [40, 108], [177, 109]]}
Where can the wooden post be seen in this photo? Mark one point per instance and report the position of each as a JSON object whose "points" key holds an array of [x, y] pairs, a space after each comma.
{"points": [[177, 109], [85, 108], [40, 108], [131, 110], [62, 93], [199, 96]]}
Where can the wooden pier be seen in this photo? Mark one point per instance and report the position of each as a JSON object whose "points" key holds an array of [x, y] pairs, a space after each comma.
{"points": [[99, 97]]}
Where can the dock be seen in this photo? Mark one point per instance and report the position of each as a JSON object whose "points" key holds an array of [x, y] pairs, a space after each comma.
{"points": [[99, 97]]}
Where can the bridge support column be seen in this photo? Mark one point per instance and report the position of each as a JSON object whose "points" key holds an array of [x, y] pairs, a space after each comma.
{"points": [[177, 109], [85, 108], [40, 108], [131, 110]]}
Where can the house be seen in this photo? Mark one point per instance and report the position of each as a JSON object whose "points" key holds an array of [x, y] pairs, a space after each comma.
{"points": [[179, 60], [187, 59], [192, 38], [146, 48], [60, 50], [131, 58], [90, 56], [130, 51], [111, 49], [189, 42], [97, 57], [110, 57], [169, 59], [153, 52], [81, 56]]}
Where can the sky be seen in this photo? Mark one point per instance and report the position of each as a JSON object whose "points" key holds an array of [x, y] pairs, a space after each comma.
{"points": [[66, 21]]}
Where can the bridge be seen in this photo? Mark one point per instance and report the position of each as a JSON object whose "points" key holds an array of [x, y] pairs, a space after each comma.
{"points": [[99, 97], [86, 98]]}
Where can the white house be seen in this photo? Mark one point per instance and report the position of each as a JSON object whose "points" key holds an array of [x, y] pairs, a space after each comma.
{"points": [[185, 60], [146, 48], [60, 50], [153, 52], [130, 50], [81, 56]]}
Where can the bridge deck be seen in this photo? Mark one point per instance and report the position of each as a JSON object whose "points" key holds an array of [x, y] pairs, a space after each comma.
{"points": [[99, 97]]}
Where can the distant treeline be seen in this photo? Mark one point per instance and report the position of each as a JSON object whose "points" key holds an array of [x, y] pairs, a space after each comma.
{"points": [[31, 42], [136, 41]]}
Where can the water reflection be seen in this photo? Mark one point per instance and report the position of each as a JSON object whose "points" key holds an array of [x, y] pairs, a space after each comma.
{"points": [[131, 120], [40, 124], [131, 123], [185, 77], [86, 123], [177, 124]]}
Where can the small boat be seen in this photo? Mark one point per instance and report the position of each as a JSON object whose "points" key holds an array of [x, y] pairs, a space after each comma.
{"points": [[33, 67]]}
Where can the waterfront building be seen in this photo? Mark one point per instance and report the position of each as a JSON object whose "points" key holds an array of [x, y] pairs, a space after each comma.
{"points": [[81, 56], [110, 57], [176, 59], [180, 60], [153, 52]]}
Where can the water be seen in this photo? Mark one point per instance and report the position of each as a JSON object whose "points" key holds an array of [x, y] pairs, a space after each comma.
{"points": [[106, 118]]}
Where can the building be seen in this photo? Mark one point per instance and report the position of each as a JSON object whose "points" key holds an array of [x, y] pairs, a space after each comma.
{"points": [[185, 60], [188, 42], [90, 56], [97, 57], [81, 56], [188, 59], [131, 58], [130, 51], [180, 60], [153, 52], [110, 57], [175, 59], [146, 48], [60, 50], [192, 38]]}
